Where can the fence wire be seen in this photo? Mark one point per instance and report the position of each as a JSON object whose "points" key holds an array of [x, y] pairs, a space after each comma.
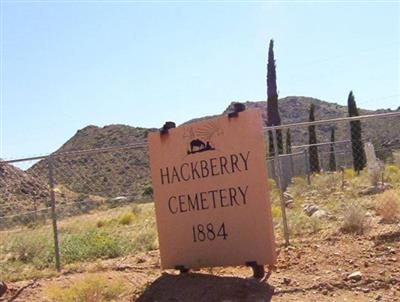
{"points": [[350, 169], [345, 170]]}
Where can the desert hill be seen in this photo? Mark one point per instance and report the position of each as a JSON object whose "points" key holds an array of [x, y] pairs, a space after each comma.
{"points": [[296, 110], [109, 174], [126, 172], [25, 197], [20, 191]]}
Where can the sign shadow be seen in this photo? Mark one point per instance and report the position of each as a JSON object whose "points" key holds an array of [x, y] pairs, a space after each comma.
{"points": [[196, 287]]}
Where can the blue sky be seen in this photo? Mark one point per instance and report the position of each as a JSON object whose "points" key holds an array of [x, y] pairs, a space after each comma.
{"points": [[66, 65]]}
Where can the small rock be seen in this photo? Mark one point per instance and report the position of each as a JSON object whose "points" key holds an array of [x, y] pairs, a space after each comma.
{"points": [[287, 281], [287, 196], [289, 204], [319, 214], [356, 276], [378, 297], [140, 260], [119, 198], [310, 209], [9, 257]]}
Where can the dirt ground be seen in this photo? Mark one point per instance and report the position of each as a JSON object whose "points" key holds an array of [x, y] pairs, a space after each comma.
{"points": [[309, 269]]}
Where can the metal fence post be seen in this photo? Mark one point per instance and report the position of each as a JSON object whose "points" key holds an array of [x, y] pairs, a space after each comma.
{"points": [[307, 166], [53, 213], [278, 176], [271, 172]]}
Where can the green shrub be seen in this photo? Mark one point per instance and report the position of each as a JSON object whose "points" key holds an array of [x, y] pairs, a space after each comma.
{"points": [[276, 212], [298, 187], [392, 169], [148, 191], [31, 247], [26, 253], [349, 174], [89, 245], [146, 240], [392, 174], [126, 218]]}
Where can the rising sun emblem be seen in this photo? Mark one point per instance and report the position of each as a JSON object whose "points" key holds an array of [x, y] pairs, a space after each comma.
{"points": [[202, 138]]}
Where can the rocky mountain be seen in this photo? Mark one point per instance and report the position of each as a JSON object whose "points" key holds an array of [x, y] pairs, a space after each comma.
{"points": [[295, 109], [126, 172], [20, 191], [115, 173]]}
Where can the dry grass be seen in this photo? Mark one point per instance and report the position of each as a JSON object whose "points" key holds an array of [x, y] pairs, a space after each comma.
{"points": [[392, 175], [28, 253], [354, 220], [388, 205], [299, 223], [396, 158], [112, 233], [91, 288]]}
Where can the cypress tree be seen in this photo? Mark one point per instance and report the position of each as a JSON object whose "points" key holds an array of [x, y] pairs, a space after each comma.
{"points": [[273, 118], [313, 150], [288, 142], [357, 146], [332, 156]]}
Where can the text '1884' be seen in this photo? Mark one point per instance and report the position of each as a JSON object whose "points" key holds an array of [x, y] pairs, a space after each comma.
{"points": [[203, 232]]}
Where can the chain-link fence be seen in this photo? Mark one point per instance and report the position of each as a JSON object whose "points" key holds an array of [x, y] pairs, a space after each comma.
{"points": [[82, 180], [65, 185], [345, 170], [342, 173]]}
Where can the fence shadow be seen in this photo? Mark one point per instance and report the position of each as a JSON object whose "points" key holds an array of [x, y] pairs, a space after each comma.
{"points": [[196, 287]]}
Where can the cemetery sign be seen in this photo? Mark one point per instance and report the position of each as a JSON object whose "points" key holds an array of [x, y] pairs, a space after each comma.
{"points": [[211, 194]]}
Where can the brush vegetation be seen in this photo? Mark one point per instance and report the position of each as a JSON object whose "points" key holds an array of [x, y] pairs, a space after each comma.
{"points": [[340, 196], [28, 252], [91, 288]]}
